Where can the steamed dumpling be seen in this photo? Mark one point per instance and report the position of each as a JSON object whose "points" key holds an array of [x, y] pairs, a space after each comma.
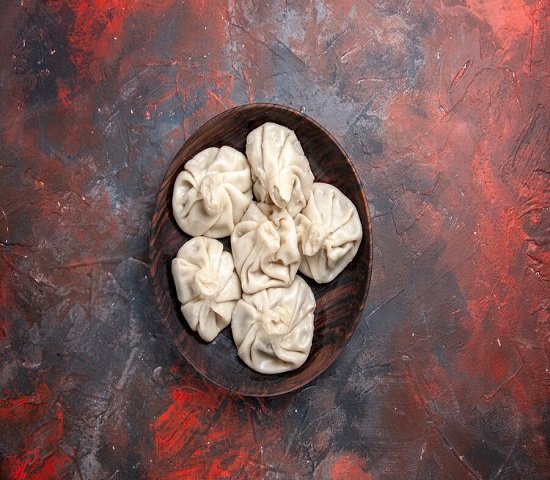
{"points": [[265, 248], [207, 285], [329, 233], [212, 193], [273, 328], [280, 170]]}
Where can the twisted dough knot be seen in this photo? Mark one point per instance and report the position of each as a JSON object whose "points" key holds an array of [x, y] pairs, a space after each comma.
{"points": [[210, 194], [204, 285], [268, 237], [315, 238], [279, 196], [276, 321]]}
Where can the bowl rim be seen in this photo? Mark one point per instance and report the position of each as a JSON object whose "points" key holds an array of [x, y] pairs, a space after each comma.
{"points": [[152, 236]]}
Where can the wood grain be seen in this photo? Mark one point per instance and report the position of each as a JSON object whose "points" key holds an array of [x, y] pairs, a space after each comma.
{"points": [[339, 303]]}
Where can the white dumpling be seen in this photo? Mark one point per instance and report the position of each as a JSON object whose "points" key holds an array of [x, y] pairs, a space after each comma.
{"points": [[212, 193], [329, 233], [280, 170], [265, 248], [207, 285], [273, 328]]}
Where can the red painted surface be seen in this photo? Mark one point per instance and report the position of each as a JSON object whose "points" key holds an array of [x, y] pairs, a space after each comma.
{"points": [[42, 458], [349, 466], [444, 108]]}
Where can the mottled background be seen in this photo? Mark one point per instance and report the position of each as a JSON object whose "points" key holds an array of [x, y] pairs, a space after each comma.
{"points": [[444, 107]]}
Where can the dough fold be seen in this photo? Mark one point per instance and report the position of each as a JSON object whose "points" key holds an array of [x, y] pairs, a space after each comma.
{"points": [[329, 233], [273, 328], [265, 248], [280, 170], [207, 285], [212, 193]]}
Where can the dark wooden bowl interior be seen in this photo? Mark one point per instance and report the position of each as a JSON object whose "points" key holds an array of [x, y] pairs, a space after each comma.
{"points": [[339, 303]]}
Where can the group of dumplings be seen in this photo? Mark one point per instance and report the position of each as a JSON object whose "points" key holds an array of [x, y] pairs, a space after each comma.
{"points": [[296, 225]]}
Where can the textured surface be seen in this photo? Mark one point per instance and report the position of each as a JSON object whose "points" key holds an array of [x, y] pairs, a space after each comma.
{"points": [[444, 107]]}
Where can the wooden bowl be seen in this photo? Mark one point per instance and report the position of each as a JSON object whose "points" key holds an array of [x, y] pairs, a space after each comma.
{"points": [[340, 303]]}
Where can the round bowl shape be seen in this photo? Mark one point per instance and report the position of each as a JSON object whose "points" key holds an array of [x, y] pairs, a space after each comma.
{"points": [[340, 303]]}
